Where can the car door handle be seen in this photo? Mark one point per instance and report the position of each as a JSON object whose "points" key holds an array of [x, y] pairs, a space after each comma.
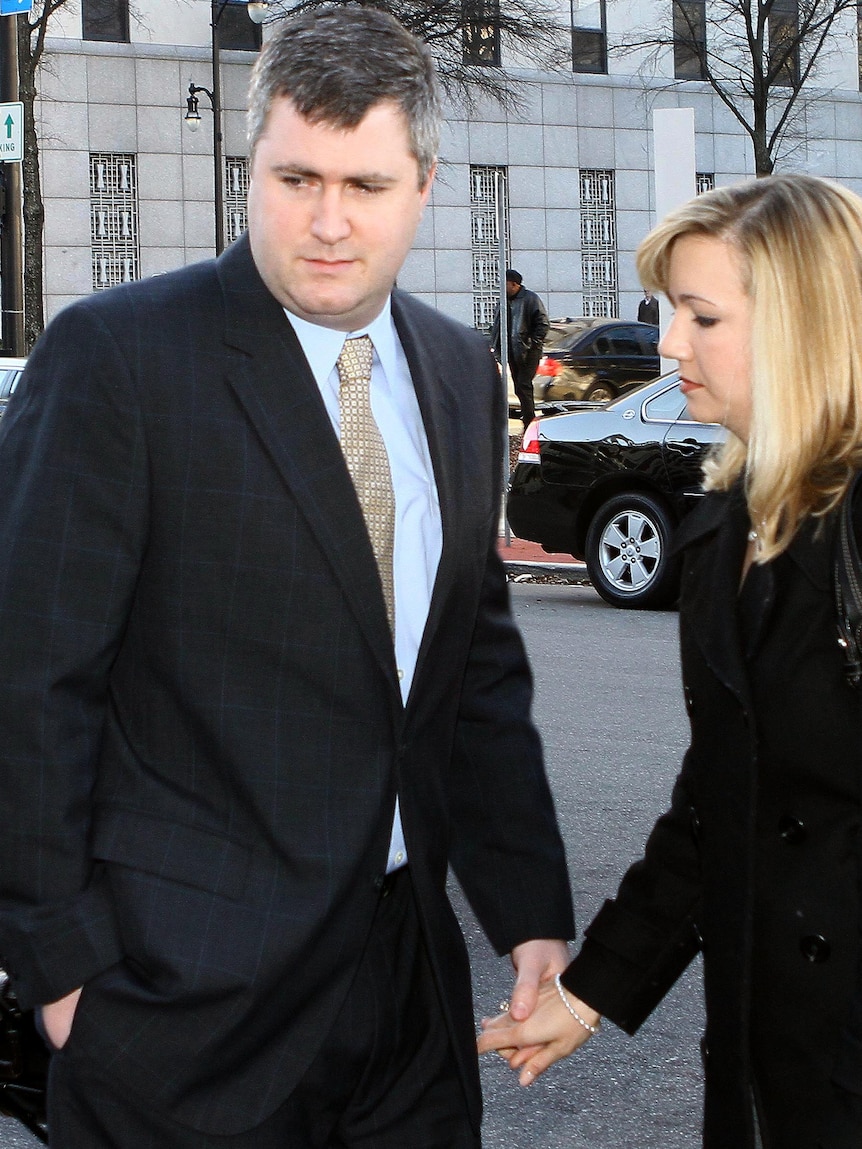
{"points": [[685, 446]]}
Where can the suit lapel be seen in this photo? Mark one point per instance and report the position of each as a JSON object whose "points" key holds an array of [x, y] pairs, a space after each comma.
{"points": [[438, 404], [274, 384]]}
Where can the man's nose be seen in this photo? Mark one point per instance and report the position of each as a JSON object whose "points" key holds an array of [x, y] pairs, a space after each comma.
{"points": [[330, 222]]}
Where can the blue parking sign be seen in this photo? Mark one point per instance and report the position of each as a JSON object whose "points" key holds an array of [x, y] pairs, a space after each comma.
{"points": [[12, 7]]}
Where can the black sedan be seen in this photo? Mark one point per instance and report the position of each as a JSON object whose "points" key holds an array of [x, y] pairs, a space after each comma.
{"points": [[608, 482], [595, 359]]}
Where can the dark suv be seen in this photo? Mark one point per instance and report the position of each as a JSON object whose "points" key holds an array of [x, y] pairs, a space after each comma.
{"points": [[595, 359]]}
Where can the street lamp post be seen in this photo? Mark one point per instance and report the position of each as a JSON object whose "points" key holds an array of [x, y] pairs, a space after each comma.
{"points": [[257, 10]]}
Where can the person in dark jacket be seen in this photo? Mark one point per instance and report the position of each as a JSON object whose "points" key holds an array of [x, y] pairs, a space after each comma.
{"points": [[528, 325], [757, 861], [648, 309]]}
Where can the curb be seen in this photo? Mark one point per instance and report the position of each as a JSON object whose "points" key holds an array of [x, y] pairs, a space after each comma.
{"points": [[575, 573]]}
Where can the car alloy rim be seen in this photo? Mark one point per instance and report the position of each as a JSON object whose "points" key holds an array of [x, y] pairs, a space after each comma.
{"points": [[630, 551]]}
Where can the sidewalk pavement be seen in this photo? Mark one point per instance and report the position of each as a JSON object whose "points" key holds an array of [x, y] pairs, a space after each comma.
{"points": [[522, 557]]}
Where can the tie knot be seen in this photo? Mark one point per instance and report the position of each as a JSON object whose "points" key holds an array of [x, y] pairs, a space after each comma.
{"points": [[354, 362]]}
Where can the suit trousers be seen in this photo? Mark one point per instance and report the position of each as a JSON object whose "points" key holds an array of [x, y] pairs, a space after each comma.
{"points": [[385, 1077]]}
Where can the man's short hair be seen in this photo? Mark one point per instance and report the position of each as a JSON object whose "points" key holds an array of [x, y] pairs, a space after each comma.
{"points": [[514, 276], [336, 63]]}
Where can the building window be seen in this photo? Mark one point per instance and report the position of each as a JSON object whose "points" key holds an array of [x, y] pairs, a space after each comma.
{"points": [[481, 32], [114, 219], [105, 20], [589, 37], [236, 29], [704, 182], [784, 43], [235, 197], [689, 39], [488, 203], [598, 243]]}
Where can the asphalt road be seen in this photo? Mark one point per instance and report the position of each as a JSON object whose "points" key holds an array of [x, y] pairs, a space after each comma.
{"points": [[609, 704]]}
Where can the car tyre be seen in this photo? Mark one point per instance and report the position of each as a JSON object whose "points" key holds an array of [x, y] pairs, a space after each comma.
{"points": [[601, 392], [628, 553]]}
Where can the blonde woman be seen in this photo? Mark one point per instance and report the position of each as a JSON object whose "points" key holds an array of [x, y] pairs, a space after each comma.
{"points": [[757, 861]]}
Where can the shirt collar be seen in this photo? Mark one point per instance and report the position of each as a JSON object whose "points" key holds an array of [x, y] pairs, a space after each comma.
{"points": [[322, 345]]}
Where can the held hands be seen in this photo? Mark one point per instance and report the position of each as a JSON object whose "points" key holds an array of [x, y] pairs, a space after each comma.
{"points": [[550, 1033], [57, 1018]]}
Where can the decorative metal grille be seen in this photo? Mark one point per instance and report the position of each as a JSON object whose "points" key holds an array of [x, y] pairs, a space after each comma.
{"points": [[114, 219], [235, 197], [485, 185], [704, 181], [598, 243]]}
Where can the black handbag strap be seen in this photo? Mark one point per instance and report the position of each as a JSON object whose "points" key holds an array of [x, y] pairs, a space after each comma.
{"points": [[848, 588]]}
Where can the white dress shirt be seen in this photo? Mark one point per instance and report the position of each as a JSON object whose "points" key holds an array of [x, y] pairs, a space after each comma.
{"points": [[418, 529]]}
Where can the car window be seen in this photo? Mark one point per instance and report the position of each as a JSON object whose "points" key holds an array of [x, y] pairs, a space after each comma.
{"points": [[666, 407], [626, 344], [8, 379]]}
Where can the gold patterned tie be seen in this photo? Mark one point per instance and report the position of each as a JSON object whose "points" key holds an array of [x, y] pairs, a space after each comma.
{"points": [[367, 461]]}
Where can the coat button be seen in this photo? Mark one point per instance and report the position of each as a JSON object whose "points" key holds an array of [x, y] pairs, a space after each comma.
{"points": [[689, 699], [792, 830], [815, 948], [694, 821]]}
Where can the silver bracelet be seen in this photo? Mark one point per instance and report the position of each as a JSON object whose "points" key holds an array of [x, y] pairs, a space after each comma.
{"points": [[592, 1029]]}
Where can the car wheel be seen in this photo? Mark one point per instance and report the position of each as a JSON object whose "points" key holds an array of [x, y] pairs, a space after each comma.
{"points": [[601, 392], [627, 553]]}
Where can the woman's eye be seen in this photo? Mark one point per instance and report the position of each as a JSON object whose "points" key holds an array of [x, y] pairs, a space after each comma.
{"points": [[705, 320]]}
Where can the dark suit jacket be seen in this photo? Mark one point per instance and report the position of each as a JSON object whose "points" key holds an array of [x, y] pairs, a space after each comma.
{"points": [[202, 730], [757, 861]]}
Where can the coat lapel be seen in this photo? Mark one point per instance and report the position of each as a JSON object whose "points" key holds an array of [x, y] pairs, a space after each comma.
{"points": [[272, 380], [714, 539]]}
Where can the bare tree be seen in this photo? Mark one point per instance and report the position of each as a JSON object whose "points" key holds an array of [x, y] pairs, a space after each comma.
{"points": [[761, 58], [32, 30], [468, 38]]}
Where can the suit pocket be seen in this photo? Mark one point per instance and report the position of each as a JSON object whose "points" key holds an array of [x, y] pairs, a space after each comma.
{"points": [[185, 854]]}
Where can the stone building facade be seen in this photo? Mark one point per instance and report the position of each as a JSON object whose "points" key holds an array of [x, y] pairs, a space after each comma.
{"points": [[129, 189]]}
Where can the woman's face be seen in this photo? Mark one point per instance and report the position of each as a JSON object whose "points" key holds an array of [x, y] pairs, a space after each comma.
{"points": [[710, 333]]}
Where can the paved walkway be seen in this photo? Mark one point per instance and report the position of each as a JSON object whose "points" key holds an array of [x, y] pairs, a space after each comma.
{"points": [[522, 553]]}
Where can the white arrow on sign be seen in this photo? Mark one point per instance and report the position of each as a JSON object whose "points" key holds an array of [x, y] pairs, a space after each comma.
{"points": [[11, 133]]}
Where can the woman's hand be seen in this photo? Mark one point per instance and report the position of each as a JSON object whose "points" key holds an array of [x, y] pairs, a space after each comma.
{"points": [[548, 1035], [57, 1018]]}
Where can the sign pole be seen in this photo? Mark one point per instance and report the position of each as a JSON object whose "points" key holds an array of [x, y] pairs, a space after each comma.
{"points": [[11, 222]]}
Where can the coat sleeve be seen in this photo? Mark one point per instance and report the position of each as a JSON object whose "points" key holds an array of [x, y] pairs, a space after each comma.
{"points": [[73, 521], [506, 846], [640, 942]]}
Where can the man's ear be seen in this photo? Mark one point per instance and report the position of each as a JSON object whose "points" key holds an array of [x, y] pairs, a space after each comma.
{"points": [[426, 189]]}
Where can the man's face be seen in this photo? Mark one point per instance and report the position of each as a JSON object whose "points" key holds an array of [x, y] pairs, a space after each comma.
{"points": [[333, 213], [512, 288]]}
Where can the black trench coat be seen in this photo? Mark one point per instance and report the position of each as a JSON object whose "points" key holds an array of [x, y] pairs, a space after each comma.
{"points": [[757, 861]]}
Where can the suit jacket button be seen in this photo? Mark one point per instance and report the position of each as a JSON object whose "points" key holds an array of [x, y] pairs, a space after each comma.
{"points": [[815, 948], [792, 830]]}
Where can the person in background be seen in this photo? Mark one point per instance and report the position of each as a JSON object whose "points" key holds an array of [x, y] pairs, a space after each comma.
{"points": [[262, 681], [757, 862], [648, 309], [528, 325]]}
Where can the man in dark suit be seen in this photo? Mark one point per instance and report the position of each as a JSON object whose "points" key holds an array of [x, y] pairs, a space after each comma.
{"points": [[261, 681]]}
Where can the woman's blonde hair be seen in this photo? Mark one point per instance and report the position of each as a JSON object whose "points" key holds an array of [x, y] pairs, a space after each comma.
{"points": [[799, 240]]}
